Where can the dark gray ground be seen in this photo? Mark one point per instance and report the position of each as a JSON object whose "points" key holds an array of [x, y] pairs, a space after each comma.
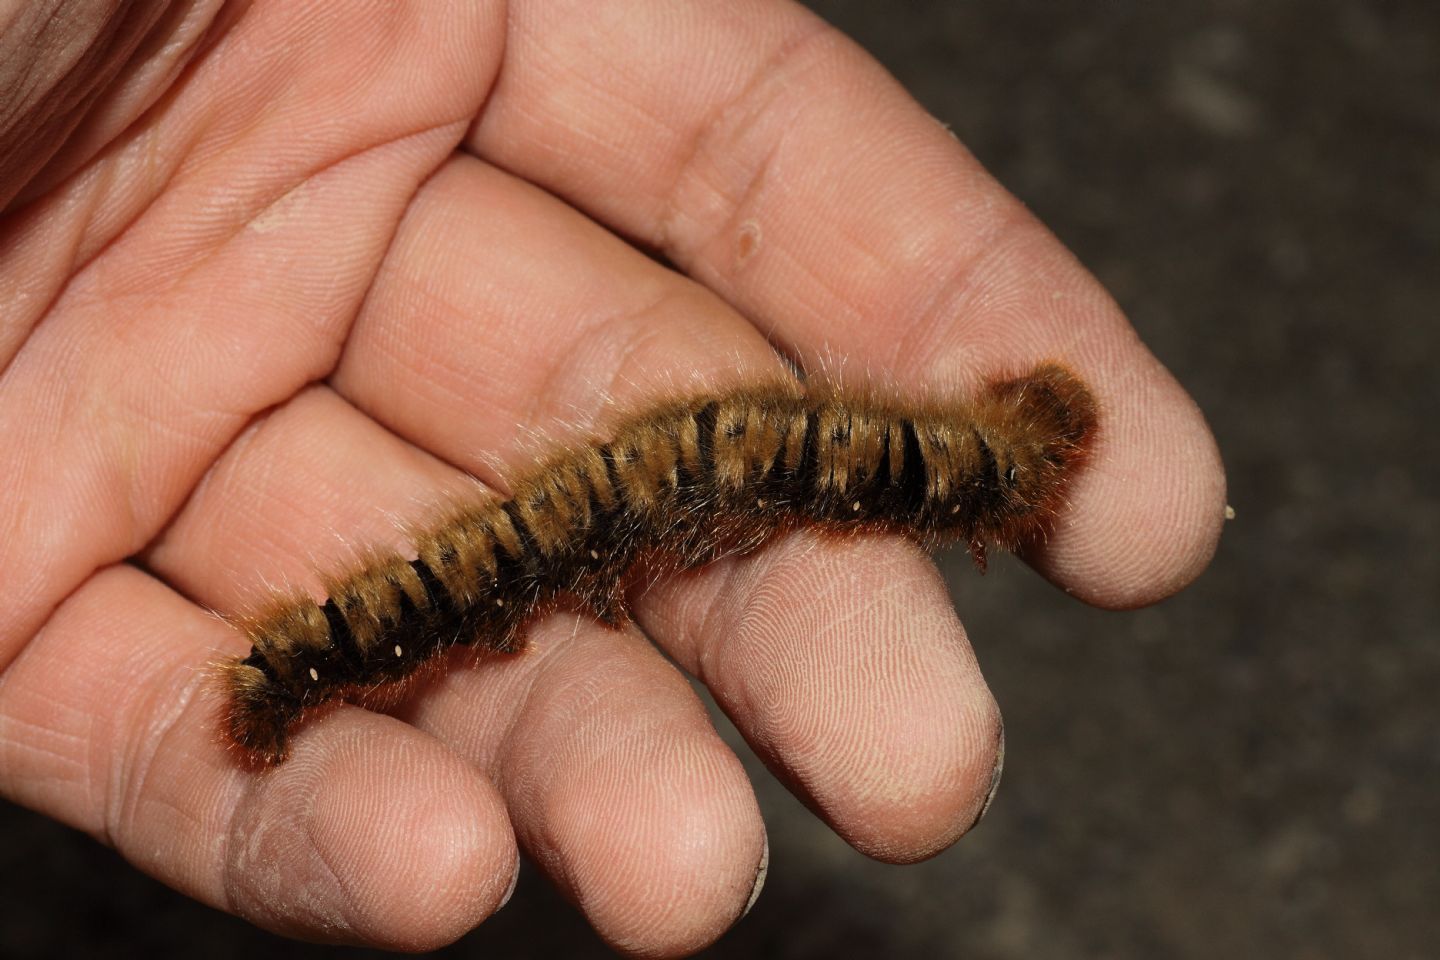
{"points": [[1251, 769]]}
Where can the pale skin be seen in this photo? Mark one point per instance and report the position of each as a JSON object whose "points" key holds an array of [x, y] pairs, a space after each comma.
{"points": [[276, 277]]}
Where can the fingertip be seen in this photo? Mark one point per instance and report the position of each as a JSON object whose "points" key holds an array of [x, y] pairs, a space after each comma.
{"points": [[919, 808], [1146, 513], [372, 833], [680, 866]]}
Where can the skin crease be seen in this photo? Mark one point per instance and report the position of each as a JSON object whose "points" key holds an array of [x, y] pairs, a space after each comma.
{"points": [[253, 296]]}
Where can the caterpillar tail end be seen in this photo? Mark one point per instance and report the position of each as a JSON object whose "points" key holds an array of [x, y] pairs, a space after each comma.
{"points": [[258, 714]]}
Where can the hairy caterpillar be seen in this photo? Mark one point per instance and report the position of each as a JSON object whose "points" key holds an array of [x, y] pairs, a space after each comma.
{"points": [[675, 488]]}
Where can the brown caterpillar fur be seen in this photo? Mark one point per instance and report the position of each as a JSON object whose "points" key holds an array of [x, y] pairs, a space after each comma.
{"points": [[675, 488]]}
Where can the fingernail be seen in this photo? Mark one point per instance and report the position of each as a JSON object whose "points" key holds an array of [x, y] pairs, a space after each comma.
{"points": [[994, 777], [514, 882], [760, 873]]}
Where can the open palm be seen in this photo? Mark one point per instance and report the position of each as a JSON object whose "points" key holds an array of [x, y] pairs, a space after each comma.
{"points": [[284, 272]]}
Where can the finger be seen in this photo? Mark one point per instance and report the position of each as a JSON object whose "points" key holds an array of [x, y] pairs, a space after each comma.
{"points": [[119, 389], [616, 781], [374, 833], [866, 698], [565, 304], [781, 166], [618, 784], [304, 493], [496, 298]]}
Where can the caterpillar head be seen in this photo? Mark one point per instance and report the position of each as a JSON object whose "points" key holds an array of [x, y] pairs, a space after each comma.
{"points": [[1036, 430]]}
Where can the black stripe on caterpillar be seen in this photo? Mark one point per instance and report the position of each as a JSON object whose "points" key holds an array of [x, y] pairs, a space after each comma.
{"points": [[675, 488]]}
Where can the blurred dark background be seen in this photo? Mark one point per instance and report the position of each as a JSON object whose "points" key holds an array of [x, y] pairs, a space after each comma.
{"points": [[1251, 769]]}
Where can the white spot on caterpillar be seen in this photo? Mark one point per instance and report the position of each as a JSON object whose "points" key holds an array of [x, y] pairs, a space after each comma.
{"points": [[594, 554], [1229, 512], [499, 602], [855, 507], [955, 509], [314, 674], [760, 503], [398, 651]]}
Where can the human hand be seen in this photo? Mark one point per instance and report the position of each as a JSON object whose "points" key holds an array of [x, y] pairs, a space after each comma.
{"points": [[315, 281]]}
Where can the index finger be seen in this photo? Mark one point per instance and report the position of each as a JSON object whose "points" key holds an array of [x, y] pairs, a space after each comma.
{"points": [[776, 162]]}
